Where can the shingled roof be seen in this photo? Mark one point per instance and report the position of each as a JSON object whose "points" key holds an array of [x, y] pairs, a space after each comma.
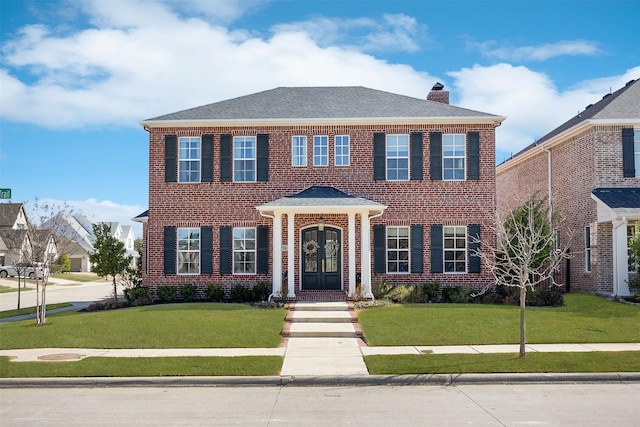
{"points": [[300, 103]]}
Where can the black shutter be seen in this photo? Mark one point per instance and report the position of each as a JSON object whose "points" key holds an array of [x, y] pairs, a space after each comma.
{"points": [[170, 158], [207, 158], [416, 248], [379, 249], [435, 159], [379, 157], [262, 174], [262, 245], [206, 250], [436, 249], [416, 155], [473, 155], [225, 250], [473, 231], [225, 158], [170, 250], [628, 162]]}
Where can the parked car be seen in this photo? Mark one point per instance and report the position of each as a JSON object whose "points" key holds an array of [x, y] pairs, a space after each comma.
{"points": [[25, 269]]}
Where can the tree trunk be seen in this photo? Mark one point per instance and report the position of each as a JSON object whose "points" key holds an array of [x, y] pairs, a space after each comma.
{"points": [[115, 290], [523, 333]]}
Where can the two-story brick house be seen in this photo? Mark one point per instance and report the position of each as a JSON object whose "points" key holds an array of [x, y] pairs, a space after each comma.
{"points": [[589, 169], [319, 189]]}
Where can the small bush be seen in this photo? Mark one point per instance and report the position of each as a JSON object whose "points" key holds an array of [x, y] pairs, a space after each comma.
{"points": [[456, 295], [260, 292], [167, 293], [188, 292], [541, 297], [138, 295], [214, 293], [240, 294], [381, 289], [430, 291]]}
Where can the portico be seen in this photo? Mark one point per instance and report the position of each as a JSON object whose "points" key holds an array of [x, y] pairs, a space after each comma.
{"points": [[321, 260]]}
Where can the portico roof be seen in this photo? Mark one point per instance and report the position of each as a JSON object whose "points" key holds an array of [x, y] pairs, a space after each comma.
{"points": [[616, 203], [321, 200]]}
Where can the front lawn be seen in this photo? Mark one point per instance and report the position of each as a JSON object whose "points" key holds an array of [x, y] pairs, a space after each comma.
{"points": [[193, 325], [583, 319]]}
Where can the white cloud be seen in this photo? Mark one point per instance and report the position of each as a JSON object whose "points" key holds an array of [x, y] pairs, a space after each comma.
{"points": [[537, 53]]}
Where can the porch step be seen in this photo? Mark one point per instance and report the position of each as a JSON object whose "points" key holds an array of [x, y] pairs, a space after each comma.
{"points": [[321, 330], [321, 296], [321, 316], [322, 319]]}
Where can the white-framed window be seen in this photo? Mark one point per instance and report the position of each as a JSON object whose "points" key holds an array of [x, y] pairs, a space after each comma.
{"points": [[455, 249], [320, 150], [398, 249], [342, 150], [189, 159], [587, 249], [299, 151], [244, 158], [631, 262], [244, 250], [636, 150], [397, 157], [188, 251], [453, 157]]}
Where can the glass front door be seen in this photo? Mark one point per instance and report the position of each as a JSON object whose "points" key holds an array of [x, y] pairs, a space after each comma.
{"points": [[321, 256]]}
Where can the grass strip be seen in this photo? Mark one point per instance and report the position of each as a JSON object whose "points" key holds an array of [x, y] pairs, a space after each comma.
{"points": [[624, 361], [30, 310], [145, 367], [7, 289]]}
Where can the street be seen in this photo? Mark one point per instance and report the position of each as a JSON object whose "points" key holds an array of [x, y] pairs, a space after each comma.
{"points": [[484, 405]]}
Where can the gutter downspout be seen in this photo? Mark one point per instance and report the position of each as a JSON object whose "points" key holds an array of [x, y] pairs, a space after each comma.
{"points": [[549, 182]]}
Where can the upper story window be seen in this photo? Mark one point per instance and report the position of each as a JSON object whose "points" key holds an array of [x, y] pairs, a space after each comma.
{"points": [[244, 158], [455, 249], [397, 157], [299, 151], [244, 250], [453, 157], [188, 159], [398, 249], [188, 251], [320, 150], [342, 150]]}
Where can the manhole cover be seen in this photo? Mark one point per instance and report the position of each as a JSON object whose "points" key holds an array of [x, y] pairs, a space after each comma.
{"points": [[60, 356]]}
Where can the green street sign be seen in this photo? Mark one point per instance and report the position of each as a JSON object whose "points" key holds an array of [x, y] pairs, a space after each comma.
{"points": [[5, 193]]}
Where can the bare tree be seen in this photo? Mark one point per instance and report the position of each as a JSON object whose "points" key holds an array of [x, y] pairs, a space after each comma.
{"points": [[526, 253]]}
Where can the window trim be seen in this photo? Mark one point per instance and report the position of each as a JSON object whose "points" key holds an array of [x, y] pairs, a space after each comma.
{"points": [[254, 251], [254, 158], [455, 250], [181, 251], [325, 156], [180, 159], [302, 157], [587, 249], [388, 157], [454, 157], [398, 250], [336, 156], [636, 151]]}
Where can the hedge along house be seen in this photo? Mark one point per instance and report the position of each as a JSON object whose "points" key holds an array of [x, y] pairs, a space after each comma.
{"points": [[317, 190], [589, 169]]}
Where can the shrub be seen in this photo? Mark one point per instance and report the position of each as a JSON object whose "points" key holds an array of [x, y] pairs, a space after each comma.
{"points": [[167, 293], [541, 297], [456, 295], [188, 292], [430, 291], [381, 289], [138, 295], [214, 293], [260, 292], [240, 294]]}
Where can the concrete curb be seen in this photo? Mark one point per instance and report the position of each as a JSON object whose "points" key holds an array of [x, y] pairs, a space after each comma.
{"points": [[333, 381]]}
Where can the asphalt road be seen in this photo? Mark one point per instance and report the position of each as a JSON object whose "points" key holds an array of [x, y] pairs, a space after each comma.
{"points": [[483, 405]]}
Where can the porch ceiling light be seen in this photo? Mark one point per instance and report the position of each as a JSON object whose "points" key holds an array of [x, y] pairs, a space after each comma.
{"points": [[320, 224]]}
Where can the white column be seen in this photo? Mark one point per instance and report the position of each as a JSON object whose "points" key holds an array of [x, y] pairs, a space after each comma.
{"points": [[291, 254], [277, 255], [365, 254], [620, 258], [352, 254]]}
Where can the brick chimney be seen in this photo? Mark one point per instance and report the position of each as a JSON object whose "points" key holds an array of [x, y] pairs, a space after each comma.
{"points": [[437, 94]]}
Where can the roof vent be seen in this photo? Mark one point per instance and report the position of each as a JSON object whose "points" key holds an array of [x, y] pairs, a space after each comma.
{"points": [[588, 106], [630, 82], [437, 86], [437, 94], [606, 96]]}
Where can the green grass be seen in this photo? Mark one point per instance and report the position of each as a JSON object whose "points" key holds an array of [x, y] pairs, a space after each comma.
{"points": [[504, 363], [7, 289], [583, 319], [144, 366], [194, 325], [30, 310], [77, 277]]}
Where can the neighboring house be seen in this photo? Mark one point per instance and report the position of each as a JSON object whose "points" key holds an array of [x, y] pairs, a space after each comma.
{"points": [[14, 232], [77, 238], [589, 169], [320, 189]]}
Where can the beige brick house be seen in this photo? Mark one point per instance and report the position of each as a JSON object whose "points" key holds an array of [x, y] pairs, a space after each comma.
{"points": [[589, 168], [319, 189]]}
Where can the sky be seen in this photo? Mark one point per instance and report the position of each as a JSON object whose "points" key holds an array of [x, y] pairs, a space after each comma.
{"points": [[78, 76]]}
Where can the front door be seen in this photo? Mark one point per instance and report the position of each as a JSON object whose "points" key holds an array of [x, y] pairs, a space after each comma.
{"points": [[321, 255]]}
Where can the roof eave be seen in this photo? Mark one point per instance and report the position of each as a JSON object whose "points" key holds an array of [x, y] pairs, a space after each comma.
{"points": [[495, 120]]}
